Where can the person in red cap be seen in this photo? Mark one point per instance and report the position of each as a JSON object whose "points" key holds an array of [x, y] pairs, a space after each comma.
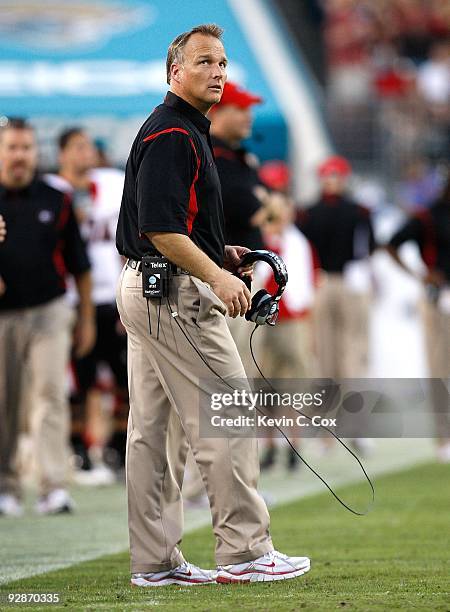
{"points": [[245, 201], [341, 232], [231, 123]]}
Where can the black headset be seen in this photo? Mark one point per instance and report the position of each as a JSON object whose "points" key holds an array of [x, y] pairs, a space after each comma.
{"points": [[265, 306]]}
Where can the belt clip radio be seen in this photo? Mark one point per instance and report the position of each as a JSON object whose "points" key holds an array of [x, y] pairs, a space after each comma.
{"points": [[156, 274]]}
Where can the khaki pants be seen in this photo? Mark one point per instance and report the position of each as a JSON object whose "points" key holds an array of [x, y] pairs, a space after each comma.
{"points": [[288, 350], [437, 339], [341, 321], [166, 374], [34, 354]]}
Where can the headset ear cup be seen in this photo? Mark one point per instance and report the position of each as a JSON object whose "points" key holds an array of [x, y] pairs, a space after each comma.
{"points": [[260, 307]]}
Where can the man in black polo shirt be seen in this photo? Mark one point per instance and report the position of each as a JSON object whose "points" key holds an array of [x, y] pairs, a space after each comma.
{"points": [[430, 230], [231, 123], [340, 230], [179, 346], [42, 244]]}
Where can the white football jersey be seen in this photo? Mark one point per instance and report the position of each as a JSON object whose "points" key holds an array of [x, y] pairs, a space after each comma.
{"points": [[99, 230]]}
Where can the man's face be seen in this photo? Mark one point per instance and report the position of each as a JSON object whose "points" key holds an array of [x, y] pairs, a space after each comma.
{"points": [[333, 183], [200, 78], [18, 157], [79, 154], [236, 122]]}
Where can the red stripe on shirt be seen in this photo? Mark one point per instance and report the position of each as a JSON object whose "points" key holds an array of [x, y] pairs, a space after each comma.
{"points": [[168, 131], [193, 204], [429, 249], [65, 211], [58, 259]]}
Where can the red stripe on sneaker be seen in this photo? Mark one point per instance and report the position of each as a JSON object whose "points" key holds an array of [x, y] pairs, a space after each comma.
{"points": [[255, 571], [192, 580], [223, 580]]}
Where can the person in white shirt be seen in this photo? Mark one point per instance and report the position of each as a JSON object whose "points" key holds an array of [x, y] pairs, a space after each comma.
{"points": [[96, 195]]}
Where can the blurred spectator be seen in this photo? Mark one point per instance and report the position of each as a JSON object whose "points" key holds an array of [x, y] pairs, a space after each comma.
{"points": [[287, 348], [388, 81], [96, 195], [341, 232], [42, 244], [349, 35], [433, 83], [394, 76], [430, 230], [420, 186], [434, 77], [414, 23], [276, 176]]}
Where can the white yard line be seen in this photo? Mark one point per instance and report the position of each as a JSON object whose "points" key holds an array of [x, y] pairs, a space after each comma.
{"points": [[36, 545]]}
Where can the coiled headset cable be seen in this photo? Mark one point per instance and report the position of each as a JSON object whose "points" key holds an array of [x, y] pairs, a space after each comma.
{"points": [[175, 315]]}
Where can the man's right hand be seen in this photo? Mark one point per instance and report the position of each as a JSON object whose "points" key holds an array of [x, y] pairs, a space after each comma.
{"points": [[233, 293]]}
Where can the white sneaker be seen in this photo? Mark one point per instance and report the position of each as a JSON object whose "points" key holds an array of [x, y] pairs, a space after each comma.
{"points": [[98, 476], [443, 453], [57, 501], [10, 505], [184, 574], [271, 566]]}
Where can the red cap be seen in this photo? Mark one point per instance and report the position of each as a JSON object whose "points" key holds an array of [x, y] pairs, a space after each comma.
{"points": [[276, 175], [335, 165], [234, 94]]}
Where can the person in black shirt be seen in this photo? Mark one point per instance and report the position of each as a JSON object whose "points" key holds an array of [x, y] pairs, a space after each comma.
{"points": [[42, 244], [180, 346], [430, 230], [245, 200], [231, 123], [341, 233]]}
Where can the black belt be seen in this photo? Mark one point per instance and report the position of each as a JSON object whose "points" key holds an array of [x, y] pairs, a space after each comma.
{"points": [[136, 265]]}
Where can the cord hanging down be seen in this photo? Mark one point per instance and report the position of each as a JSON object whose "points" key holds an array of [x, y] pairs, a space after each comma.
{"points": [[211, 369], [327, 429]]}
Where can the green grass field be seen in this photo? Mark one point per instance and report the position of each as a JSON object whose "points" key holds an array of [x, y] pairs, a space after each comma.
{"points": [[396, 558]]}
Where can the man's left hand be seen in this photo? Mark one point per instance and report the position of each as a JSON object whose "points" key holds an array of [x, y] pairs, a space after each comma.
{"points": [[232, 259]]}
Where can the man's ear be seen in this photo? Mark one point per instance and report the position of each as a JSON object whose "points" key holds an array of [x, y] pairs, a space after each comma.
{"points": [[175, 71]]}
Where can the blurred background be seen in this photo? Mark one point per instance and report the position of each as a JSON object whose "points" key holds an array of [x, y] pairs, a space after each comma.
{"points": [[365, 80]]}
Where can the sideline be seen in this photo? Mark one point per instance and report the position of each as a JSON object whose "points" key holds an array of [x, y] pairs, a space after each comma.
{"points": [[35, 545]]}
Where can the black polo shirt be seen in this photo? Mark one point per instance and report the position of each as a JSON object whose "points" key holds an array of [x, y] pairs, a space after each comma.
{"points": [[238, 178], [42, 244], [430, 230], [339, 230], [171, 183]]}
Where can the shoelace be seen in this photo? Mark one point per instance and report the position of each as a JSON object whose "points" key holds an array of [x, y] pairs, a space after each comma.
{"points": [[189, 568], [275, 554]]}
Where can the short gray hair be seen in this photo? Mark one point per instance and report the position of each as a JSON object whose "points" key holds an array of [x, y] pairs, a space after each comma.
{"points": [[175, 51]]}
